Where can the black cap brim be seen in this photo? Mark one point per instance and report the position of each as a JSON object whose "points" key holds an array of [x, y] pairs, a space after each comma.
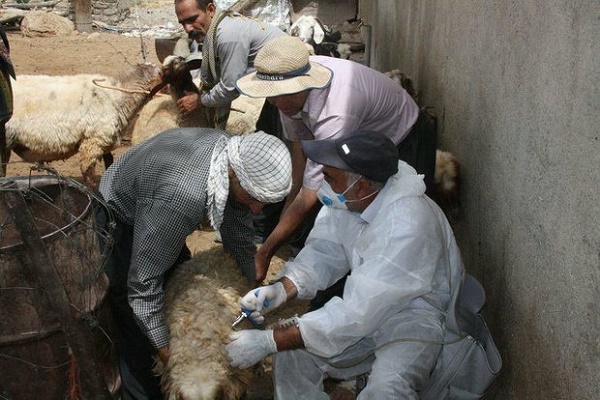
{"points": [[324, 152]]}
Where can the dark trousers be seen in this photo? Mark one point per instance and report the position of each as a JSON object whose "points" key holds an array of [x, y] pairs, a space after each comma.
{"points": [[323, 296], [299, 238], [267, 220], [133, 346], [418, 148]]}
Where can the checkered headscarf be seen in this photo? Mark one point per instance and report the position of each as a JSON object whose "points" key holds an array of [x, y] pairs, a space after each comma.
{"points": [[260, 161]]}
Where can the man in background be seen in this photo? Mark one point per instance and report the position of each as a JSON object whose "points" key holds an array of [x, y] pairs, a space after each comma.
{"points": [[229, 43]]}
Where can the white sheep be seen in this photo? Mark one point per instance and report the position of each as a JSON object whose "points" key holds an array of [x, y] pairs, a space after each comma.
{"points": [[57, 116], [201, 305], [244, 114], [447, 184], [158, 115], [161, 113], [202, 299]]}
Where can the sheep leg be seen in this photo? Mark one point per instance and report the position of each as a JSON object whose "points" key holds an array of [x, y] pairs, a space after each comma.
{"points": [[88, 178], [94, 146], [88, 169], [108, 159], [88, 173]]}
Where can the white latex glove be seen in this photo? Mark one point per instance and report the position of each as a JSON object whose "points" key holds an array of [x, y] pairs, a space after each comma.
{"points": [[264, 299], [250, 347]]}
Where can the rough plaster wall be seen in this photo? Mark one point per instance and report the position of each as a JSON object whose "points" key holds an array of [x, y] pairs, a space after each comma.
{"points": [[516, 89]]}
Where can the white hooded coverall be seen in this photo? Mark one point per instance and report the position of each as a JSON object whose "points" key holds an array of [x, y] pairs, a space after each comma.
{"points": [[405, 266]]}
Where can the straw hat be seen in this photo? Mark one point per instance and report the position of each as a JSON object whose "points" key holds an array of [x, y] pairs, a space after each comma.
{"points": [[282, 67]]}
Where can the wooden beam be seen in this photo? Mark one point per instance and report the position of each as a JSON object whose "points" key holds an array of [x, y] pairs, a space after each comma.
{"points": [[83, 15]]}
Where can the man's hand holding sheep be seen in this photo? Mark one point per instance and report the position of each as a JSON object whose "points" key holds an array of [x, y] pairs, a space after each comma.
{"points": [[162, 190], [189, 102]]}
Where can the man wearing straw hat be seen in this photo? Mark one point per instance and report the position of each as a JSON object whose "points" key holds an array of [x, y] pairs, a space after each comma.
{"points": [[160, 192], [322, 98]]}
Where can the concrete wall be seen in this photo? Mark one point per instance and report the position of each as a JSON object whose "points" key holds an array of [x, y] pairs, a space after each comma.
{"points": [[516, 87], [111, 11]]}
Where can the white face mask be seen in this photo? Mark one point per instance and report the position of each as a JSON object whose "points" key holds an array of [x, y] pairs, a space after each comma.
{"points": [[330, 198]]}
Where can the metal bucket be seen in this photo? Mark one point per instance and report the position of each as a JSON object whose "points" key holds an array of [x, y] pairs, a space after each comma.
{"points": [[36, 358]]}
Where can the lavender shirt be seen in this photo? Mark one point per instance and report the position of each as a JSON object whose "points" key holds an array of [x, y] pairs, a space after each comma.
{"points": [[358, 98]]}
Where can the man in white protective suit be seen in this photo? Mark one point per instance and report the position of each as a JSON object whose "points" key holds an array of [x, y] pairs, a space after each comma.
{"points": [[405, 268]]}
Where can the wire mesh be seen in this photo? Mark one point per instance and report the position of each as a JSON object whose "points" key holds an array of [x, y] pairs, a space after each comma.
{"points": [[35, 356]]}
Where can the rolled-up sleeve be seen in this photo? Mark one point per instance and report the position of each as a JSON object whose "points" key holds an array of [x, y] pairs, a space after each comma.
{"points": [[233, 56]]}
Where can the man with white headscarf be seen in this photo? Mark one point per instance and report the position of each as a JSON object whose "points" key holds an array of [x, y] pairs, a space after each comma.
{"points": [[159, 192]]}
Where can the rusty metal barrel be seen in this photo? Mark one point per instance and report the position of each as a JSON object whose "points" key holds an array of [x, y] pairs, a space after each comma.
{"points": [[54, 321]]}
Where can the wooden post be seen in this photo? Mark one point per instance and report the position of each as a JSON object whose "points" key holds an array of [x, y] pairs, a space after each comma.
{"points": [[91, 382], [83, 15]]}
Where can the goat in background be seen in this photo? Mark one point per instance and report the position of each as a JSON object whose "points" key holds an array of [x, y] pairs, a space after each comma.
{"points": [[319, 37]]}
